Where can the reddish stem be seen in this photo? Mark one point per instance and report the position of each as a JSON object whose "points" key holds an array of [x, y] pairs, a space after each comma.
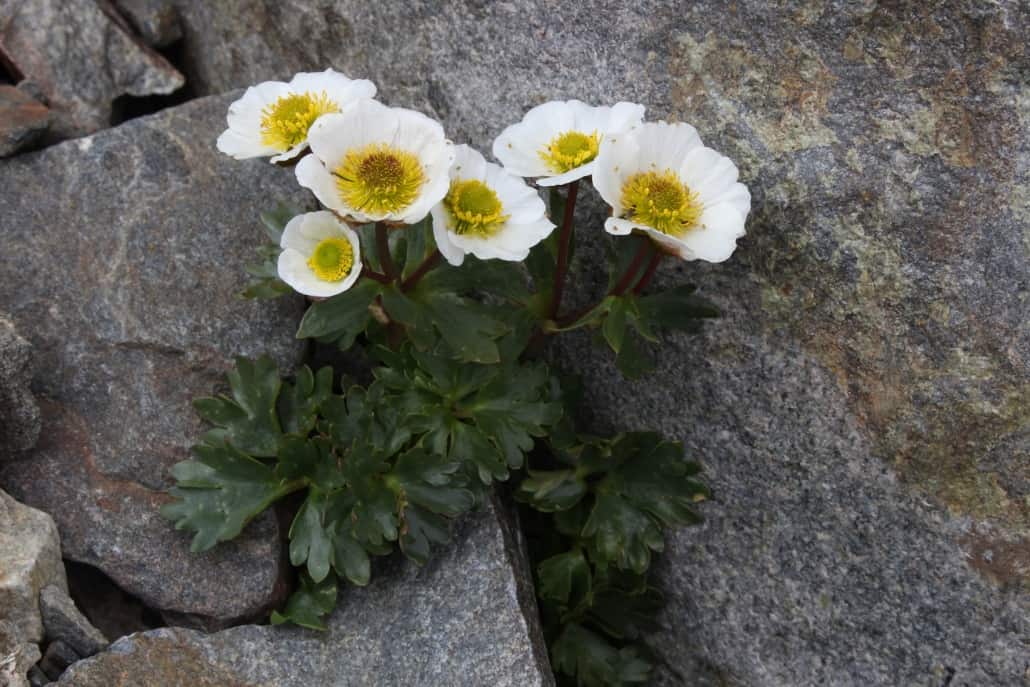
{"points": [[631, 271], [649, 272], [563, 249], [429, 263], [383, 248], [367, 271]]}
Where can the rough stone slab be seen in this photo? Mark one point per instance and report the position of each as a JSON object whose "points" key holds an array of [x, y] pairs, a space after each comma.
{"points": [[17, 656], [19, 414], [63, 621], [81, 60], [131, 246], [466, 619], [886, 264], [56, 658], [22, 120], [156, 21], [30, 559]]}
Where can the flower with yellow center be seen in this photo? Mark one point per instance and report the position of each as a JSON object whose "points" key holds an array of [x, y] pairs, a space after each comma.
{"points": [[487, 212], [376, 163], [274, 118], [558, 142], [661, 180], [321, 255]]}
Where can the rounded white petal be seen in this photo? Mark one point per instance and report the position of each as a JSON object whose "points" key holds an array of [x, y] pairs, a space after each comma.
{"points": [[715, 237], [291, 153], [451, 253], [241, 147], [312, 175], [580, 172], [243, 140], [301, 236], [338, 87], [617, 160], [621, 227], [369, 122]]}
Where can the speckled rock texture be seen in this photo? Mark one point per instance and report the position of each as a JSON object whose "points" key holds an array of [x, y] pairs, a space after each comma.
{"points": [[17, 656], [81, 57], [63, 621], [130, 249], [30, 560], [23, 119], [465, 619], [156, 21], [863, 407], [19, 414]]}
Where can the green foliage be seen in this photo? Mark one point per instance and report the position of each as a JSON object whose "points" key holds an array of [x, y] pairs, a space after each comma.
{"points": [[457, 401]]}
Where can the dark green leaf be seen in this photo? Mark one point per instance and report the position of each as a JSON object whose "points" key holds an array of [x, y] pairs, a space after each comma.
{"points": [[564, 578], [553, 490], [299, 402], [310, 540], [678, 308], [220, 492], [267, 288], [275, 220], [248, 420], [422, 530], [594, 662], [309, 604], [350, 558], [634, 358], [342, 317]]}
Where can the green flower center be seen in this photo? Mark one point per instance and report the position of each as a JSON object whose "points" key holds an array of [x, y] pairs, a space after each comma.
{"points": [[662, 201], [285, 122], [475, 207], [332, 259], [569, 150], [379, 179]]}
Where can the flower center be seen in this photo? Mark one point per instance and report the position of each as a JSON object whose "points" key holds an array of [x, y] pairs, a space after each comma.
{"points": [[475, 207], [285, 122], [332, 259], [662, 201], [379, 178], [570, 150]]}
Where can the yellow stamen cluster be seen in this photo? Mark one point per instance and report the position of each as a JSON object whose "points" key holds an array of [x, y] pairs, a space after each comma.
{"points": [[379, 179], [285, 122], [662, 201], [332, 259], [475, 208], [569, 150]]}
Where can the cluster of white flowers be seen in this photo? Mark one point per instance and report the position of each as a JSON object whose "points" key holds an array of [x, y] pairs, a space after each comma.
{"points": [[373, 163]]}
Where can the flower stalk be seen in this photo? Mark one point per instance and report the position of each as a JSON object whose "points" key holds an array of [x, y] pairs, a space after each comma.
{"points": [[564, 239], [383, 248], [431, 261]]}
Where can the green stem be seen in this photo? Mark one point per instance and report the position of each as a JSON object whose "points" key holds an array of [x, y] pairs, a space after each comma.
{"points": [[564, 240], [429, 263], [383, 248]]}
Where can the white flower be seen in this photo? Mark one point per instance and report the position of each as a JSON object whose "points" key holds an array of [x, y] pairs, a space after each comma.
{"points": [[559, 141], [660, 179], [374, 163], [321, 255], [487, 212], [273, 118]]}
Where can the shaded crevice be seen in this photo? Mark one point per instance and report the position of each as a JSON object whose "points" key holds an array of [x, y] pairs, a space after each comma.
{"points": [[110, 609], [9, 72], [126, 107]]}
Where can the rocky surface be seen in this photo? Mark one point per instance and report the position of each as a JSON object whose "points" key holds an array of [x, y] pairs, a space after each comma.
{"points": [[62, 621], [461, 620], [30, 559], [17, 656], [156, 21], [22, 120], [863, 407], [82, 59], [19, 414], [131, 247]]}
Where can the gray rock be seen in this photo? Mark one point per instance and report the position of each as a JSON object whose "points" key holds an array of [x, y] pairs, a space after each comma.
{"points": [[63, 621], [37, 678], [56, 658], [30, 559], [17, 656], [22, 120], [81, 59], [863, 407], [19, 414], [156, 21], [467, 618], [149, 239]]}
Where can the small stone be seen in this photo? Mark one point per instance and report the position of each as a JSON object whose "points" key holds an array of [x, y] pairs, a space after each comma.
{"points": [[57, 657], [466, 619], [37, 678], [22, 120], [82, 60], [19, 414], [30, 559], [63, 621], [17, 657], [156, 21]]}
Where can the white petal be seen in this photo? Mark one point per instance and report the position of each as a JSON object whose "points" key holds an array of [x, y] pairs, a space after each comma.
{"points": [[469, 163], [451, 252], [664, 146], [339, 88], [671, 244], [568, 177], [291, 153], [293, 269], [618, 159], [621, 227], [312, 174], [716, 238], [241, 147], [623, 117], [707, 173]]}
